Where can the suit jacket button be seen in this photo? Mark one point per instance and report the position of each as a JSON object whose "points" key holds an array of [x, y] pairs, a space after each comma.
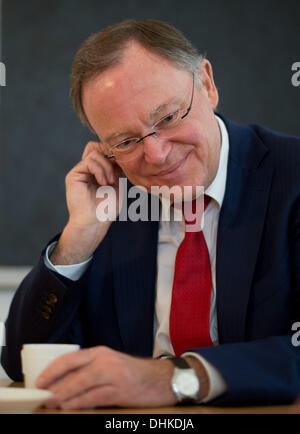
{"points": [[46, 315], [47, 309], [52, 299]]}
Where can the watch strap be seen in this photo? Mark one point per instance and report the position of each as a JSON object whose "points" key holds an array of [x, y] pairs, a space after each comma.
{"points": [[180, 363]]}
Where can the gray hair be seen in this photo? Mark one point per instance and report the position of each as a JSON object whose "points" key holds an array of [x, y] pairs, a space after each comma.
{"points": [[106, 48]]}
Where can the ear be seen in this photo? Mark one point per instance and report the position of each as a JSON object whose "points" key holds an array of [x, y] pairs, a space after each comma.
{"points": [[208, 85]]}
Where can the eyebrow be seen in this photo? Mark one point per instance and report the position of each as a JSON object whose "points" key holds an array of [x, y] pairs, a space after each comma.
{"points": [[153, 115], [162, 107]]}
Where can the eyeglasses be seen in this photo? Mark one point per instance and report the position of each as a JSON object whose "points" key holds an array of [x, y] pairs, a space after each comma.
{"points": [[165, 128]]}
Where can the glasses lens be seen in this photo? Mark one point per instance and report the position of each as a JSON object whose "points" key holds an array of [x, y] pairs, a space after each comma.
{"points": [[127, 155], [165, 129]]}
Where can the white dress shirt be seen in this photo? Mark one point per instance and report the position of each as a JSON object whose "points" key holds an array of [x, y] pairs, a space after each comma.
{"points": [[171, 234]]}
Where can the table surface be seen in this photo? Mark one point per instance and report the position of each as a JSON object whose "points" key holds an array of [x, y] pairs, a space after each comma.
{"points": [[195, 409], [280, 409]]}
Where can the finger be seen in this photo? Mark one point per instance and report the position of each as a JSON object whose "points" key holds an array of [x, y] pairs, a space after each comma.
{"points": [[111, 169], [97, 169], [94, 150], [95, 159], [62, 365], [103, 396], [51, 404], [90, 147], [84, 169], [77, 382]]}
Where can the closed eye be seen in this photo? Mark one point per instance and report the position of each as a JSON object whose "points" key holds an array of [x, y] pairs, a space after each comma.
{"points": [[125, 144], [168, 120]]}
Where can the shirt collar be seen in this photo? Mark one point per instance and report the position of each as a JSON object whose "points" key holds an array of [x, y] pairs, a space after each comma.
{"points": [[216, 190]]}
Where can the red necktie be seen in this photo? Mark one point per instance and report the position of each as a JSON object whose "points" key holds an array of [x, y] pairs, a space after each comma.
{"points": [[190, 307]]}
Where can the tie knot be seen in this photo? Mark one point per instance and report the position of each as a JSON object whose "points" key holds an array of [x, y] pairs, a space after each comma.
{"points": [[193, 212], [193, 205]]}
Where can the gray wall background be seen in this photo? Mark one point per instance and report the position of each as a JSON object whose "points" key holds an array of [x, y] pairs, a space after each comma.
{"points": [[251, 44]]}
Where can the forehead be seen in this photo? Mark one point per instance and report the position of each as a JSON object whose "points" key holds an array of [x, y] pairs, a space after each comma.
{"points": [[142, 82]]}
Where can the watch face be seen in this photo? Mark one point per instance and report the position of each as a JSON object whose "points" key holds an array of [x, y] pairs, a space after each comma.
{"points": [[187, 383]]}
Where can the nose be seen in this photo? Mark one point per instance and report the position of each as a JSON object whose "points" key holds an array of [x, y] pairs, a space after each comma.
{"points": [[156, 149]]}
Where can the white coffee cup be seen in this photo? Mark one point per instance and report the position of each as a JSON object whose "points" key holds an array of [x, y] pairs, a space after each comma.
{"points": [[36, 357]]}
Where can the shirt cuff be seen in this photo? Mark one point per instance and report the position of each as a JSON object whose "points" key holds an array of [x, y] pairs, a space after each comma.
{"points": [[72, 272], [217, 385]]}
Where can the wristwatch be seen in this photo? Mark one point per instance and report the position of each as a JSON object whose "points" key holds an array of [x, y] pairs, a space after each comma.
{"points": [[185, 383]]}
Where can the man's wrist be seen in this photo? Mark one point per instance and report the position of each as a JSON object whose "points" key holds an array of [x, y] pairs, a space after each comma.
{"points": [[76, 244], [72, 272]]}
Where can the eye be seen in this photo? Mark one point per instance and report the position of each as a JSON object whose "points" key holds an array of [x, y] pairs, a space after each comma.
{"points": [[125, 145], [168, 120]]}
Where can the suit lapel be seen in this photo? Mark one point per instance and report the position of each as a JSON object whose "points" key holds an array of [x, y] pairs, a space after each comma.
{"points": [[134, 283], [240, 229]]}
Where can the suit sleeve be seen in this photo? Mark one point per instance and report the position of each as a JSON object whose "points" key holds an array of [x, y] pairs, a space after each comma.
{"points": [[258, 372], [44, 310]]}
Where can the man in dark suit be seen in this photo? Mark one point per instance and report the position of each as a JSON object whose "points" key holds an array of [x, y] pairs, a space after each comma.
{"points": [[121, 290]]}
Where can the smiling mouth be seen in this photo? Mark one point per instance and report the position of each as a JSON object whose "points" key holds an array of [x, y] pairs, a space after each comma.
{"points": [[172, 168]]}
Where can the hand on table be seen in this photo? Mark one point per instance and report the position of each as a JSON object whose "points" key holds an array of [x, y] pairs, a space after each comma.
{"points": [[100, 376]]}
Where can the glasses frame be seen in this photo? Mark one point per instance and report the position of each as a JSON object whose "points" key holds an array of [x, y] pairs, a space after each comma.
{"points": [[108, 157]]}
